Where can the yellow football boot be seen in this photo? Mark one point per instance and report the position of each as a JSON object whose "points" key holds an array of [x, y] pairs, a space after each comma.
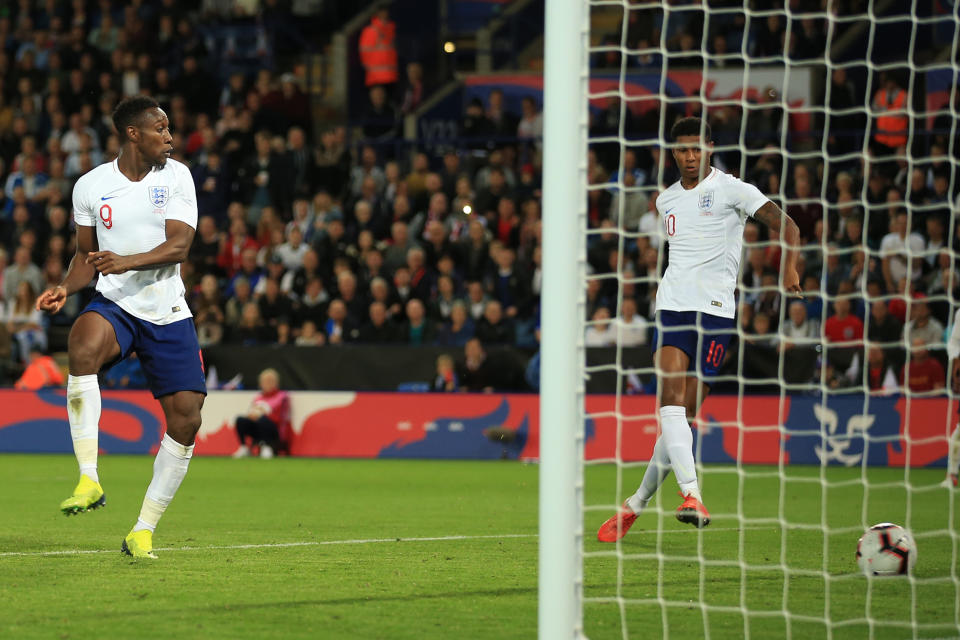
{"points": [[139, 544], [88, 495]]}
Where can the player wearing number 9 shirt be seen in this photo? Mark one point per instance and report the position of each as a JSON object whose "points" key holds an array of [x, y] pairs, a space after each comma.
{"points": [[135, 220], [703, 216]]}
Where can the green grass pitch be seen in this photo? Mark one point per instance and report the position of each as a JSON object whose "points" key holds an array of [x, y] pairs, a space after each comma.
{"points": [[356, 561]]}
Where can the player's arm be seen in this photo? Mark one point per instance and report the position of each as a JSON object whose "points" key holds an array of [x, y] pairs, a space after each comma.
{"points": [[775, 218], [171, 251], [79, 273]]}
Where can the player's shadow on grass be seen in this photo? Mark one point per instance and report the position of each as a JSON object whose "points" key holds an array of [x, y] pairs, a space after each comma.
{"points": [[333, 602]]}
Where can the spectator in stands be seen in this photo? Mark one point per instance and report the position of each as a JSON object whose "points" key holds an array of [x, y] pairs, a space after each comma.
{"points": [[510, 288], [935, 239], [921, 372], [890, 127], [380, 118], [459, 329], [41, 372], [531, 121], [762, 333], [212, 184], [493, 327], [421, 279], [249, 271], [922, 325], [842, 327], [601, 332], [309, 336], [250, 328], [24, 321], [291, 252], [447, 378], [264, 178], [206, 247], [312, 303], [631, 328], [378, 329], [503, 120], [236, 245], [885, 328], [354, 300], [418, 329], [799, 330], [266, 424], [32, 181], [880, 374], [413, 93], [276, 309], [126, 374], [485, 372], [846, 124], [764, 119], [22, 270], [339, 328], [442, 305], [894, 248], [208, 313], [378, 51], [805, 210], [475, 127]]}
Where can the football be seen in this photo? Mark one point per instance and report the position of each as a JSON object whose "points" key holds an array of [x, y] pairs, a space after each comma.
{"points": [[886, 549]]}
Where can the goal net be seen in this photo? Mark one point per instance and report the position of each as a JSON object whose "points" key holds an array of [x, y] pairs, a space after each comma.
{"points": [[830, 413]]}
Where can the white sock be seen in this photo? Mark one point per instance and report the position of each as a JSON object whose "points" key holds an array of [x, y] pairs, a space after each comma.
{"points": [[653, 477], [953, 459], [676, 434], [83, 412], [169, 469]]}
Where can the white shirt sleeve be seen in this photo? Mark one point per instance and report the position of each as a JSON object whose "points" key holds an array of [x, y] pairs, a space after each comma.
{"points": [[746, 197], [83, 213], [953, 344], [183, 201]]}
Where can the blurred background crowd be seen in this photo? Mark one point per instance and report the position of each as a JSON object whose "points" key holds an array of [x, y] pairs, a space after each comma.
{"points": [[324, 233]]}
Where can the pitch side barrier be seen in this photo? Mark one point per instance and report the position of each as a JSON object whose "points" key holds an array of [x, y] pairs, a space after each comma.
{"points": [[892, 431], [357, 367]]}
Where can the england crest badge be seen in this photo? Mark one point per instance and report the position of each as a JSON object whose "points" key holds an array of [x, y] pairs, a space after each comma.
{"points": [[159, 196], [706, 199]]}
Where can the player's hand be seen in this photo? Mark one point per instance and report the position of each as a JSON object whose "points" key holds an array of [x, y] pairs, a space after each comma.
{"points": [[107, 262], [52, 299], [791, 283]]}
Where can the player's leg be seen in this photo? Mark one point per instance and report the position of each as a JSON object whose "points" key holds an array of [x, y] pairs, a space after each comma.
{"points": [[672, 364], [674, 429], [716, 334], [93, 342], [170, 356]]}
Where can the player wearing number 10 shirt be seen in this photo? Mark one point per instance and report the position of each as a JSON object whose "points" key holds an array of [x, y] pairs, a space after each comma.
{"points": [[703, 216], [135, 219]]}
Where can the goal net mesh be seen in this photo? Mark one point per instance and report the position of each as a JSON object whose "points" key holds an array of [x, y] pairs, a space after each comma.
{"points": [[830, 413]]}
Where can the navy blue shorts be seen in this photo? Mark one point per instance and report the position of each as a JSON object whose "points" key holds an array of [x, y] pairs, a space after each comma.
{"points": [[169, 353], [707, 346]]}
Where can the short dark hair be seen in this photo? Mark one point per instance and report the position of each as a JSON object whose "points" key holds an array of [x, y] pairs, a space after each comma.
{"points": [[129, 111], [690, 127]]}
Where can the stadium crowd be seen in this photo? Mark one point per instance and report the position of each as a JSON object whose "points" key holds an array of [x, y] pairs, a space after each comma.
{"points": [[317, 237]]}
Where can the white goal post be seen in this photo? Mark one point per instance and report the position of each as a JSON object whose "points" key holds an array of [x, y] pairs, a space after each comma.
{"points": [[561, 385]]}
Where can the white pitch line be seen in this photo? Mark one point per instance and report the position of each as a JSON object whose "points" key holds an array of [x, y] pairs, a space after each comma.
{"points": [[275, 545], [323, 543]]}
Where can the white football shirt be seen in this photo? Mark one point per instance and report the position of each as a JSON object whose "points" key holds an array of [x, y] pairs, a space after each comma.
{"points": [[131, 218], [704, 228]]}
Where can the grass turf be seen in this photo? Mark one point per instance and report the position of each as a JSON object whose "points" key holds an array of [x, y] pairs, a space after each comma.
{"points": [[477, 587]]}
